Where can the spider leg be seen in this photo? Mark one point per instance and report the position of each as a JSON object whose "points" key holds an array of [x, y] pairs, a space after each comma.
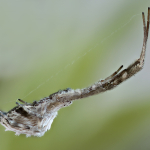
{"points": [[114, 79], [21, 100], [138, 64], [146, 30], [116, 72], [148, 20]]}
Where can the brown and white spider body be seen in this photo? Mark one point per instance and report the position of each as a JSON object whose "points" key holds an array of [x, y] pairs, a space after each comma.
{"points": [[36, 118]]}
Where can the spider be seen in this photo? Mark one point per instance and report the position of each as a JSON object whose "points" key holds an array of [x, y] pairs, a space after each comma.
{"points": [[36, 118]]}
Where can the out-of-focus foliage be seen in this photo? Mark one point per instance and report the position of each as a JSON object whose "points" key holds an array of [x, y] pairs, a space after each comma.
{"points": [[60, 44]]}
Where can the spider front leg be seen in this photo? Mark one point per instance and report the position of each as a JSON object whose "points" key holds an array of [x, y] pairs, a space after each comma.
{"points": [[117, 77], [138, 64], [116, 72]]}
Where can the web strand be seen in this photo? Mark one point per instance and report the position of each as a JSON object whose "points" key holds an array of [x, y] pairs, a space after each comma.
{"points": [[79, 57]]}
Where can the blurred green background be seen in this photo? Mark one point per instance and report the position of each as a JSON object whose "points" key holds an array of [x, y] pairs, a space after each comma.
{"points": [[50, 45]]}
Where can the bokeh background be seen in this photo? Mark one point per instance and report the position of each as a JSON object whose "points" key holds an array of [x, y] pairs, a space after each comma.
{"points": [[50, 45]]}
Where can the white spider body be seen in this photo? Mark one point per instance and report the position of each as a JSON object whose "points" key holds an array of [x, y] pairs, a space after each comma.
{"points": [[32, 119]]}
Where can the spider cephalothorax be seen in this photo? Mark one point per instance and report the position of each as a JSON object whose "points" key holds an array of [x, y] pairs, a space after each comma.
{"points": [[36, 118]]}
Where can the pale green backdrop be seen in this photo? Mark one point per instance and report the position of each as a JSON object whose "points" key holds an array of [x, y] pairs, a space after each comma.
{"points": [[50, 45]]}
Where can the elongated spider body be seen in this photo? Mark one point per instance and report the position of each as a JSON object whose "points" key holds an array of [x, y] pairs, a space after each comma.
{"points": [[36, 118]]}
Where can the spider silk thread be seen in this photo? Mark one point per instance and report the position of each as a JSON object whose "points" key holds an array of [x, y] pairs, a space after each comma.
{"points": [[79, 57]]}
